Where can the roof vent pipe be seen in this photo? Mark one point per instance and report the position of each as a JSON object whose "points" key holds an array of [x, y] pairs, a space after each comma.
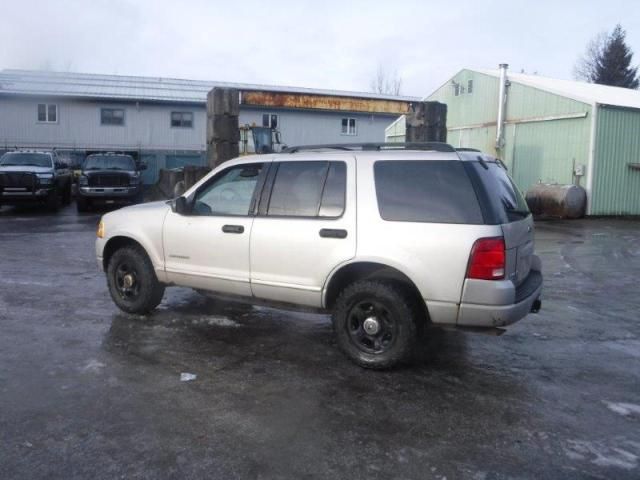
{"points": [[502, 106]]}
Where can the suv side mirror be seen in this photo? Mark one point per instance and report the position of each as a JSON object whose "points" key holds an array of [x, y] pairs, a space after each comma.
{"points": [[181, 206], [58, 164], [143, 166]]}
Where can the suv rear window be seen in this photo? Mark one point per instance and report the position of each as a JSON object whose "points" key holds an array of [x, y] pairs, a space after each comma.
{"points": [[504, 197], [436, 191]]}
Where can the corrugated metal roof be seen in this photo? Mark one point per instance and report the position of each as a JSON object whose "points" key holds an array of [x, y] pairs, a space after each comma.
{"points": [[581, 91], [64, 84]]}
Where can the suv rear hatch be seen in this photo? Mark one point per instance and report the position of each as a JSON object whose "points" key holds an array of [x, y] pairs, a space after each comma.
{"points": [[503, 204]]}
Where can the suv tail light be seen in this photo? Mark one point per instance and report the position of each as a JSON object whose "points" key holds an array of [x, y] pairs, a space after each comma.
{"points": [[487, 260]]}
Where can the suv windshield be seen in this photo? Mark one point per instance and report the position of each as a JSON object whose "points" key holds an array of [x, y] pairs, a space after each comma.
{"points": [[109, 162], [26, 159], [503, 193]]}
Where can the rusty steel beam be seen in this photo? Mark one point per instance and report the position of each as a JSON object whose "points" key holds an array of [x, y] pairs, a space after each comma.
{"points": [[323, 102]]}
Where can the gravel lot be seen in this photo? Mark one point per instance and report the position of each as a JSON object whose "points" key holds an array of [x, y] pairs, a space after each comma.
{"points": [[89, 392]]}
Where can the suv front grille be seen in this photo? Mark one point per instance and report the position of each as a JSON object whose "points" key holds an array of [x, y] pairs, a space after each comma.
{"points": [[109, 180], [23, 180]]}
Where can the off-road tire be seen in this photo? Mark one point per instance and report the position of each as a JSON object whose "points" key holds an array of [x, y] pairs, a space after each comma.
{"points": [[66, 198], [82, 204], [150, 290], [402, 313], [53, 200]]}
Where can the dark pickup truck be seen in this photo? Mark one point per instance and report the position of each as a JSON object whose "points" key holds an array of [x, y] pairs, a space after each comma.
{"points": [[34, 177], [109, 178]]}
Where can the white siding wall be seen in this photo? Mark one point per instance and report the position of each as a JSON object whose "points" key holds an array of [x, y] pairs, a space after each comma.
{"points": [[78, 126], [306, 127], [148, 127]]}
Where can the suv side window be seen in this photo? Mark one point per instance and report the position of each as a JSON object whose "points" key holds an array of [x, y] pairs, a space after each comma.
{"points": [[436, 191], [230, 192], [308, 189]]}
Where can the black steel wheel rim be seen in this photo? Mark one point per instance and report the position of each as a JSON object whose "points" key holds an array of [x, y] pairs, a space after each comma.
{"points": [[378, 342], [126, 281]]}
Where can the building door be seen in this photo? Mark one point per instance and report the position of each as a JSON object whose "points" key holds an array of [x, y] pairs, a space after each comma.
{"points": [[150, 175]]}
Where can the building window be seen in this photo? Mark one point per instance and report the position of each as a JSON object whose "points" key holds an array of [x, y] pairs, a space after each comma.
{"points": [[182, 119], [112, 116], [456, 89], [470, 86], [270, 120], [349, 126], [47, 113]]}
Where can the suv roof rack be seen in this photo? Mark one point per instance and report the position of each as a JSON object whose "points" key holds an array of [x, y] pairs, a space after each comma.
{"points": [[429, 146], [467, 149]]}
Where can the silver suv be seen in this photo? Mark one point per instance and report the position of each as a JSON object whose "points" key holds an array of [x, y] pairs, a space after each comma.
{"points": [[390, 238]]}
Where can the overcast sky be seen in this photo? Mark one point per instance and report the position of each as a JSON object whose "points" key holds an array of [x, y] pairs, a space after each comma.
{"points": [[322, 43]]}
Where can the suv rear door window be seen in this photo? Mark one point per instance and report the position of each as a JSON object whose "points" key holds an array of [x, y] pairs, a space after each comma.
{"points": [[308, 189], [436, 191]]}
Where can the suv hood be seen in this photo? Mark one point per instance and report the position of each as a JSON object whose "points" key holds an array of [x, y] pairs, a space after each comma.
{"points": [[25, 168]]}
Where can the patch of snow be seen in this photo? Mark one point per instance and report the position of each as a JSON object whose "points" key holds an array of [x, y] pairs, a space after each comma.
{"points": [[217, 321], [601, 455], [622, 408], [93, 366], [187, 377]]}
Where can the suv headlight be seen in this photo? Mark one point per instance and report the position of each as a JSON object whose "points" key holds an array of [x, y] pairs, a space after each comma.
{"points": [[45, 178], [83, 180]]}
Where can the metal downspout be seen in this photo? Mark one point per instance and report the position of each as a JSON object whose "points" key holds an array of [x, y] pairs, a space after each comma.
{"points": [[502, 104]]}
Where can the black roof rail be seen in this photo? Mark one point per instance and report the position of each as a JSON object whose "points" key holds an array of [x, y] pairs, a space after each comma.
{"points": [[428, 146], [466, 149]]}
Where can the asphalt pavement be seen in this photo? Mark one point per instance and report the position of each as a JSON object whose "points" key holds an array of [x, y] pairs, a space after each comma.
{"points": [[214, 389]]}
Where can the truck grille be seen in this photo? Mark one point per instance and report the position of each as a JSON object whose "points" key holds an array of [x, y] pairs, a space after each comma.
{"points": [[109, 180], [19, 180]]}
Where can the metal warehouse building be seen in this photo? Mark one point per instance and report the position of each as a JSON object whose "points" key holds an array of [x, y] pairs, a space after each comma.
{"points": [[162, 121], [554, 131]]}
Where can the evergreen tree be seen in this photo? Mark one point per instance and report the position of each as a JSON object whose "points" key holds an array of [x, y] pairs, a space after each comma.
{"points": [[608, 61]]}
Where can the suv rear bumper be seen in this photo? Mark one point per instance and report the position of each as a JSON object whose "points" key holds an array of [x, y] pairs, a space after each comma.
{"points": [[498, 314]]}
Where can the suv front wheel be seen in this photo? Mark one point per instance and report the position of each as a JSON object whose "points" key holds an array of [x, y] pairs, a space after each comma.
{"points": [[133, 284], [375, 324]]}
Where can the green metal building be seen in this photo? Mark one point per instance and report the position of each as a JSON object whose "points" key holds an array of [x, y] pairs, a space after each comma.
{"points": [[553, 131]]}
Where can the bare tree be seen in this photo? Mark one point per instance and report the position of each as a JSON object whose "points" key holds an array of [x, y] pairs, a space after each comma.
{"points": [[587, 65], [386, 82]]}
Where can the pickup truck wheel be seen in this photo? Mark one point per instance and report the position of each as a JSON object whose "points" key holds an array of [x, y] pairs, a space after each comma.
{"points": [[375, 324], [53, 200], [82, 204], [133, 284]]}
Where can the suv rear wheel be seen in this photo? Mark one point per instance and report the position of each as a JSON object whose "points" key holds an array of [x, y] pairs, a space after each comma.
{"points": [[133, 284], [375, 324]]}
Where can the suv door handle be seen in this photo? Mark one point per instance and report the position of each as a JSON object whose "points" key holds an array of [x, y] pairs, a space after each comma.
{"points": [[233, 229], [333, 233]]}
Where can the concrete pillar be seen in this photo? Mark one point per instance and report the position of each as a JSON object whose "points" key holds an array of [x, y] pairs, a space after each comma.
{"points": [[427, 122], [223, 128]]}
